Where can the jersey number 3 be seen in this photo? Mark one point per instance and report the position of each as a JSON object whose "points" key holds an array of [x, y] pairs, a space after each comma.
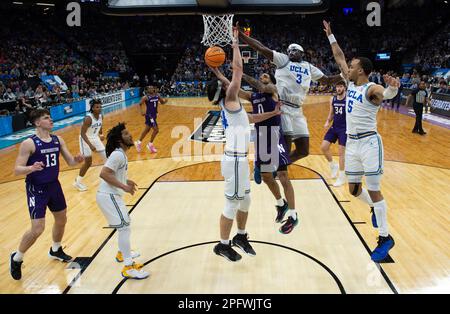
{"points": [[299, 78]]}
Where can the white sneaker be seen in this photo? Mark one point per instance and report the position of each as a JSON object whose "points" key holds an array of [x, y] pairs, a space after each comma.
{"points": [[119, 256], [79, 186], [138, 146], [334, 168], [134, 272], [339, 182]]}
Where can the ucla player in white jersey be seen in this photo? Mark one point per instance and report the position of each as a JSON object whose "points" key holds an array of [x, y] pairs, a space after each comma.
{"points": [[364, 148], [114, 184], [234, 165], [294, 76], [91, 138]]}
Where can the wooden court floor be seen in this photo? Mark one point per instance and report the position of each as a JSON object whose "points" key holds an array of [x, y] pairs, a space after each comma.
{"points": [[176, 209]]}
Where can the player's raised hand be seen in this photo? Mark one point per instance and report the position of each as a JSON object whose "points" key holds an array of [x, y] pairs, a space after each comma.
{"points": [[78, 158], [327, 28], [235, 36], [391, 81], [37, 166]]}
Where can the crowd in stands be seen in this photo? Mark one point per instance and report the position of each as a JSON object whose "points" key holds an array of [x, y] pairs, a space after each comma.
{"points": [[32, 47]]}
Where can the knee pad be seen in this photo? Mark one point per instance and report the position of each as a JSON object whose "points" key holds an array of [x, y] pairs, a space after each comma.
{"points": [[373, 182], [245, 203], [356, 188], [231, 208]]}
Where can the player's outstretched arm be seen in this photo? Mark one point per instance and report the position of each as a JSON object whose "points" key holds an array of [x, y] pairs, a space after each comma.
{"points": [[257, 45], [235, 84], [263, 88], [71, 160], [226, 82], [337, 51], [378, 93]]}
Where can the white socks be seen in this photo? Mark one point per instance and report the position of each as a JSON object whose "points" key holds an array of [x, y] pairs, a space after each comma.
{"points": [[365, 197], [292, 213], [241, 231], [56, 246], [226, 242], [124, 245], [18, 257], [79, 179], [280, 202], [380, 210]]}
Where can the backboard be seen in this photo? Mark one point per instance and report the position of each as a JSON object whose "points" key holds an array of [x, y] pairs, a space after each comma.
{"points": [[194, 7]]}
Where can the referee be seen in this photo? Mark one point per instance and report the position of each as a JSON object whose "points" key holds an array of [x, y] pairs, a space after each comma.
{"points": [[420, 97]]}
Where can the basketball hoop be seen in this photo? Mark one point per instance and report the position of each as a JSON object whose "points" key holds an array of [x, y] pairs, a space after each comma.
{"points": [[246, 59], [218, 30]]}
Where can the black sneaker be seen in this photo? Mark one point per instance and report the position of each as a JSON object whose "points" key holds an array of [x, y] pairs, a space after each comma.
{"points": [[281, 211], [226, 251], [289, 225], [15, 268], [59, 255], [422, 132], [241, 241]]}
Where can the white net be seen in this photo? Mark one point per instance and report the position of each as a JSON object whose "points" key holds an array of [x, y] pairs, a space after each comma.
{"points": [[218, 30]]}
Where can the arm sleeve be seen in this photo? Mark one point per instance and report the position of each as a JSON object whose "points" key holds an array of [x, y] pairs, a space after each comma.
{"points": [[280, 59], [114, 161], [316, 74]]}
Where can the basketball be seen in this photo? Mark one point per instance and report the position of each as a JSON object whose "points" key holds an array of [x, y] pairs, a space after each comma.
{"points": [[215, 56]]}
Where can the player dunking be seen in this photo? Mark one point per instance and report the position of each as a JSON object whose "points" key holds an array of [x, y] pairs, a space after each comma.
{"points": [[38, 159], [151, 99], [113, 184], [364, 149], [294, 76], [234, 165], [91, 137], [336, 133]]}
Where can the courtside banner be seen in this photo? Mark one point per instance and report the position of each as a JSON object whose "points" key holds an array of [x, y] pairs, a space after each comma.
{"points": [[440, 104]]}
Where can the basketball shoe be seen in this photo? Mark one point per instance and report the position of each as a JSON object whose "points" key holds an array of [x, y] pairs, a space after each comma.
{"points": [[134, 271]]}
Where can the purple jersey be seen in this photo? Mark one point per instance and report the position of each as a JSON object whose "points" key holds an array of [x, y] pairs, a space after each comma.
{"points": [[268, 135], [263, 102], [339, 113], [152, 106], [48, 154]]}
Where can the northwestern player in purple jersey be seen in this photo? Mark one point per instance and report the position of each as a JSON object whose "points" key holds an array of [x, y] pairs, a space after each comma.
{"points": [[150, 100], [336, 133], [38, 159], [271, 153]]}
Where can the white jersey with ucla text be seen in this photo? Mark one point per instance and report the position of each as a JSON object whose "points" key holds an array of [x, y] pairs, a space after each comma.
{"points": [[361, 115], [294, 80], [364, 154]]}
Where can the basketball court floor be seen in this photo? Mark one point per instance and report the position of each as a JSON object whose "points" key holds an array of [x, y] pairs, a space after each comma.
{"points": [[175, 218]]}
